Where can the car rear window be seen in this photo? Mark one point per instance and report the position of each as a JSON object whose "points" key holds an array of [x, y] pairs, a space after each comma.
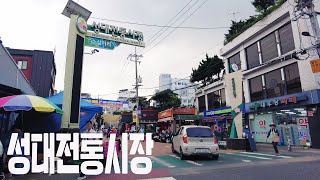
{"points": [[199, 132]]}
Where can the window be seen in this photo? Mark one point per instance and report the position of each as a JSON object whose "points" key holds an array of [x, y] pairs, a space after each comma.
{"points": [[252, 56], [202, 103], [269, 47], [292, 78], [286, 39], [23, 65], [256, 88], [274, 84], [214, 100], [234, 60], [199, 132], [223, 97]]}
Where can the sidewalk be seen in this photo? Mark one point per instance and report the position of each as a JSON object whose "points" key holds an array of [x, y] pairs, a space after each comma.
{"points": [[267, 147]]}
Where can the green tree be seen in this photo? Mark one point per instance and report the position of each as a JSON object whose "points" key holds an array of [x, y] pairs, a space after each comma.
{"points": [[263, 5], [144, 103], [166, 99], [211, 66]]}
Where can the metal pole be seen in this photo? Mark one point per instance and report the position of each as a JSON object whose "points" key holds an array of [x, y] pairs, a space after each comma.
{"points": [[137, 83], [313, 19]]}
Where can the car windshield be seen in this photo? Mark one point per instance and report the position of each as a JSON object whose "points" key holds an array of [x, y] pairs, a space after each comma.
{"points": [[199, 132]]}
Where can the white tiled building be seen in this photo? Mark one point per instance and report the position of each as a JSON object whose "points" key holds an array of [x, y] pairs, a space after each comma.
{"points": [[180, 87], [273, 86]]}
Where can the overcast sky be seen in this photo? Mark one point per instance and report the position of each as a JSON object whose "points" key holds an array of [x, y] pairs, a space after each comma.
{"points": [[39, 24]]}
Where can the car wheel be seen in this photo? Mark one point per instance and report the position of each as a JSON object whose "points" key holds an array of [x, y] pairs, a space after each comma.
{"points": [[182, 156], [172, 148], [214, 157], [167, 140]]}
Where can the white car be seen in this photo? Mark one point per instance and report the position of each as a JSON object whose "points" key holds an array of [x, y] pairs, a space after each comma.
{"points": [[195, 140]]}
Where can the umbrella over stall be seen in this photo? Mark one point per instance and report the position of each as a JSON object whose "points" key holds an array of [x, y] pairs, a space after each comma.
{"points": [[27, 103]]}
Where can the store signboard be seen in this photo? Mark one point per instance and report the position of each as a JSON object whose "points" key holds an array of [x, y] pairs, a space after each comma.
{"points": [[108, 103], [260, 127], [277, 102], [100, 43], [165, 114], [135, 117], [116, 34], [187, 111], [219, 111], [315, 65]]}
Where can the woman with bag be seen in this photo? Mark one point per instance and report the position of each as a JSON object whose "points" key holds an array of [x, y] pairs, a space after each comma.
{"points": [[274, 137]]}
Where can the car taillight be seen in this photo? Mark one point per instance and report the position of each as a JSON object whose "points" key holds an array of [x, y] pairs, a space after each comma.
{"points": [[184, 138], [215, 140]]}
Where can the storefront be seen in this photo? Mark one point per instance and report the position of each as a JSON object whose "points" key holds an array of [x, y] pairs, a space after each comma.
{"points": [[296, 117], [174, 118], [220, 121], [148, 120]]}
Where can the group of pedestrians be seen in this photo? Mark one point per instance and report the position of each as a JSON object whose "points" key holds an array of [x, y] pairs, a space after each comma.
{"points": [[105, 141]]}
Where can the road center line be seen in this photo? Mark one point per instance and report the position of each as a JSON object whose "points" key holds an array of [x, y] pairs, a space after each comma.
{"points": [[288, 157], [161, 161], [244, 160]]}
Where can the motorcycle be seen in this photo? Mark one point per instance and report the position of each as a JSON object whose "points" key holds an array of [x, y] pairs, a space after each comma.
{"points": [[162, 137], [156, 137], [168, 137]]}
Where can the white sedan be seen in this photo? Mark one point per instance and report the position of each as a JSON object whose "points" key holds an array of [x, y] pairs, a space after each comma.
{"points": [[195, 140]]}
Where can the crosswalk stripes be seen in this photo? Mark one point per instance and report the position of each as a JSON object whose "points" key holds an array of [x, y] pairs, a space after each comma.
{"points": [[251, 156], [262, 154]]}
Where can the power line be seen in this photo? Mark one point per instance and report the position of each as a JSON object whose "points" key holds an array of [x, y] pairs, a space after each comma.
{"points": [[166, 26], [176, 28], [174, 21]]}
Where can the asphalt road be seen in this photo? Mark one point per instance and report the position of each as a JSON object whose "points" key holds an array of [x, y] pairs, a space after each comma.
{"points": [[288, 171]]}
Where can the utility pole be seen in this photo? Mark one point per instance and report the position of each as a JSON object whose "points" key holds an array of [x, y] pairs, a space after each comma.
{"points": [[136, 60], [307, 8]]}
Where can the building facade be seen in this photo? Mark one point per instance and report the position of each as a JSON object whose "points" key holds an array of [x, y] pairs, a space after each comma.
{"points": [[127, 95], [38, 67], [265, 83], [183, 87], [12, 81]]}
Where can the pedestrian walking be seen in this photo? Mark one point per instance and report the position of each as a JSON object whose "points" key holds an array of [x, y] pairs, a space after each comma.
{"points": [[273, 134]]}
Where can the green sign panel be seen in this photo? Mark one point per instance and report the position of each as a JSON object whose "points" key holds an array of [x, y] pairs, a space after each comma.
{"points": [[234, 92], [100, 43]]}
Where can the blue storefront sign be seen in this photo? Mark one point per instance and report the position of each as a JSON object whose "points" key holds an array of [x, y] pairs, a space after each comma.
{"points": [[218, 111], [297, 99]]}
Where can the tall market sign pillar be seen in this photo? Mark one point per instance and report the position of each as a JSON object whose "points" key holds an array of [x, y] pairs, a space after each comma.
{"points": [[97, 35]]}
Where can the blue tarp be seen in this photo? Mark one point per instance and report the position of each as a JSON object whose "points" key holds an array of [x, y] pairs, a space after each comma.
{"points": [[87, 110]]}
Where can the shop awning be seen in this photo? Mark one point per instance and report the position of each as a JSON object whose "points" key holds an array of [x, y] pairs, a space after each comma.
{"points": [[188, 117], [165, 119]]}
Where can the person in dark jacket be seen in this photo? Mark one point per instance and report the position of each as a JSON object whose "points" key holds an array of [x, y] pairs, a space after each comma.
{"points": [[273, 134]]}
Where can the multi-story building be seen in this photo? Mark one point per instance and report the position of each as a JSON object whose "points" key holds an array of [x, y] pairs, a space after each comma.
{"points": [[38, 67], [183, 87], [127, 95], [12, 81], [265, 83]]}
